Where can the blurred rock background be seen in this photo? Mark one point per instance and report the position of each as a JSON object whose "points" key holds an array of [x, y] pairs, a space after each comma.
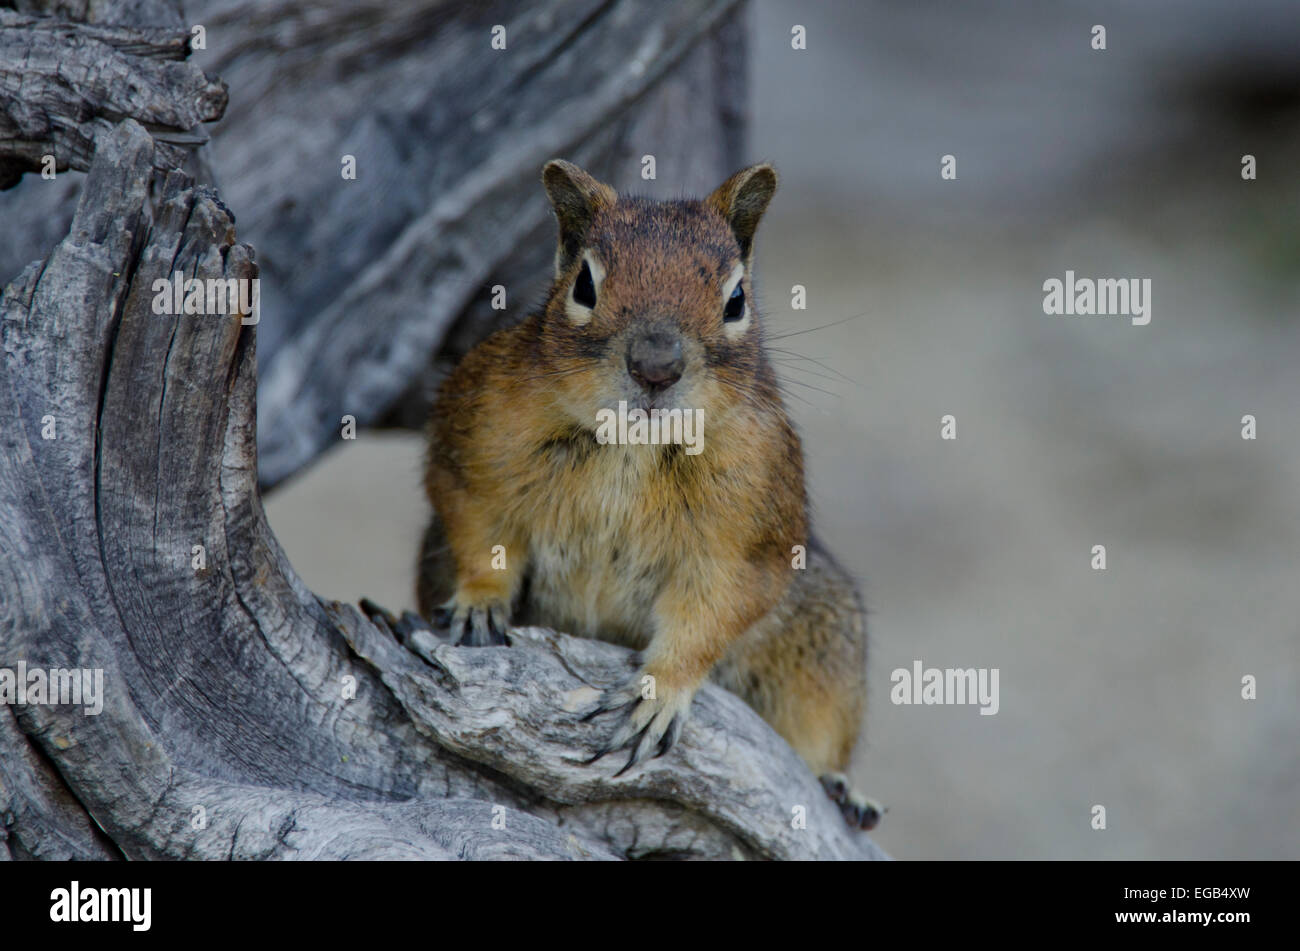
{"points": [[1120, 688]]}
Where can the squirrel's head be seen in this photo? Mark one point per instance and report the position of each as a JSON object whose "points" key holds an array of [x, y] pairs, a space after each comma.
{"points": [[652, 300]]}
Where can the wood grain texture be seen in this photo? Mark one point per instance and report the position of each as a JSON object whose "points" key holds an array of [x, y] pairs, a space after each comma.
{"points": [[65, 84]]}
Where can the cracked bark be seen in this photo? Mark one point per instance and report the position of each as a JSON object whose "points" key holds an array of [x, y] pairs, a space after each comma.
{"points": [[64, 85]]}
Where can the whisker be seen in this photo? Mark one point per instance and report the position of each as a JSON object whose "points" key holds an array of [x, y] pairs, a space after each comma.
{"points": [[753, 396], [552, 374], [810, 386], [827, 367], [835, 323], [791, 368]]}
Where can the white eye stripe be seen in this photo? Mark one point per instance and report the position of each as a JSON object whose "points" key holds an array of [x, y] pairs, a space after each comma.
{"points": [[575, 311], [736, 274], [597, 270], [735, 328]]}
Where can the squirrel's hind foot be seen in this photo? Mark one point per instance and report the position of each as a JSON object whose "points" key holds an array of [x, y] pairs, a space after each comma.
{"points": [[859, 811]]}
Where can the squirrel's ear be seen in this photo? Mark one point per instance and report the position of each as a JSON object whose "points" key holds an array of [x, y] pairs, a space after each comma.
{"points": [[742, 199], [576, 197]]}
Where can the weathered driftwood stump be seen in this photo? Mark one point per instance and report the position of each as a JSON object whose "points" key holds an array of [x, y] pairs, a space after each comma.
{"points": [[241, 716]]}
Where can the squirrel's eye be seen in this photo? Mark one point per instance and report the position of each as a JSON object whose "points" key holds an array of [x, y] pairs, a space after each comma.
{"points": [[584, 288], [735, 308]]}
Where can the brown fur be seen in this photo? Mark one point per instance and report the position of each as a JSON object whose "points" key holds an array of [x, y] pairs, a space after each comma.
{"points": [[685, 557]]}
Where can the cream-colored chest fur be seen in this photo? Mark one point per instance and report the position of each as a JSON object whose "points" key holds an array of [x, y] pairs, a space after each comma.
{"points": [[603, 536]]}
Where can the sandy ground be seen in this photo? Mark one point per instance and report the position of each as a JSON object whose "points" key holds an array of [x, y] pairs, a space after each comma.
{"points": [[1119, 687]]}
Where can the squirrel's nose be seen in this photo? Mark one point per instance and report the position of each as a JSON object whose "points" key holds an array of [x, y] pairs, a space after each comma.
{"points": [[655, 361]]}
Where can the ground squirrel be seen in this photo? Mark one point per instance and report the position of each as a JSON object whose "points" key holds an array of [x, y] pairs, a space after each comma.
{"points": [[690, 554]]}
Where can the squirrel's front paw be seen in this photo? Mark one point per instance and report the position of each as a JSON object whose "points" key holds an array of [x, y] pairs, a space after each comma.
{"points": [[653, 721], [474, 625]]}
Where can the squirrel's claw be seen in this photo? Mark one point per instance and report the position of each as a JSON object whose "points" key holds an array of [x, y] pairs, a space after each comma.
{"points": [[650, 728], [859, 811], [480, 625], [608, 703]]}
